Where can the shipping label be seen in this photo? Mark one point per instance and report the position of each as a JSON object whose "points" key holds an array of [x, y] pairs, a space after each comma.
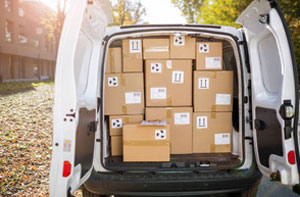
{"points": [[201, 122], [179, 41], [156, 67], [135, 46], [158, 93], [160, 134], [133, 97], [213, 62], [116, 123], [112, 81], [222, 138], [203, 48], [177, 77], [181, 118], [223, 99], [203, 83]]}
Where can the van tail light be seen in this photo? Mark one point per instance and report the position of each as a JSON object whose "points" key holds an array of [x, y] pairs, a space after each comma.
{"points": [[291, 157], [67, 169]]}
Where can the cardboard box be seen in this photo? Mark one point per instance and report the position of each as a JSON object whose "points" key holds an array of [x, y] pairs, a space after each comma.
{"points": [[116, 145], [209, 56], [168, 82], [213, 91], [114, 61], [212, 132], [156, 48], [116, 123], [180, 121], [124, 94], [182, 47], [149, 143], [132, 55]]}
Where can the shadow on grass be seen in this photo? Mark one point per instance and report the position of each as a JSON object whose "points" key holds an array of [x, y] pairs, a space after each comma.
{"points": [[11, 88]]}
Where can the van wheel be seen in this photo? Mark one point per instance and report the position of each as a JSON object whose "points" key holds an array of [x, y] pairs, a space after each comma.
{"points": [[252, 192], [86, 193]]}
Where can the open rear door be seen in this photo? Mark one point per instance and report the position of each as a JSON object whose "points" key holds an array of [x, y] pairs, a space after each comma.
{"points": [[274, 90], [75, 102]]}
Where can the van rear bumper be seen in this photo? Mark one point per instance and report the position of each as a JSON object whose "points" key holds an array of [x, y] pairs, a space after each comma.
{"points": [[171, 184]]}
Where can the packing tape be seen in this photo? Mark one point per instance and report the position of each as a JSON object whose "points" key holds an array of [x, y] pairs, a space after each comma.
{"points": [[169, 113], [157, 49], [146, 143], [126, 119], [169, 101], [122, 80], [112, 61], [124, 109], [213, 108], [213, 115], [212, 148], [214, 74]]}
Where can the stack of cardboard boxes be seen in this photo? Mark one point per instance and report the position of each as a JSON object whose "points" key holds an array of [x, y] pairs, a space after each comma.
{"points": [[195, 104]]}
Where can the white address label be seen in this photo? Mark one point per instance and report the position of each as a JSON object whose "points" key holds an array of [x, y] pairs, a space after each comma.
{"points": [[133, 97], [181, 118], [223, 99], [213, 62], [135, 46], [158, 93], [222, 138], [201, 122]]}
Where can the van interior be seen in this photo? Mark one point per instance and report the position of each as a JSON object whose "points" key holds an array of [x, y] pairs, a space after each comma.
{"points": [[194, 161]]}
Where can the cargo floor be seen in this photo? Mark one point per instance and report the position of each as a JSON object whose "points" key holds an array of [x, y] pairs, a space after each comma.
{"points": [[179, 162]]}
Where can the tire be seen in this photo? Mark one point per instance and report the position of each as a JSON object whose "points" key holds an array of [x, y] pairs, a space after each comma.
{"points": [[252, 192], [86, 193]]}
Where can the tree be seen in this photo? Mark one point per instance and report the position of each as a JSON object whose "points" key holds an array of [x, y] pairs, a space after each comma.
{"points": [[127, 12], [189, 8]]}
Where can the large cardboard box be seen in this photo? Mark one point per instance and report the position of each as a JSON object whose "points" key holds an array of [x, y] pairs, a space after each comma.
{"points": [[168, 82], [132, 55], [124, 94], [116, 123], [212, 132], [156, 48], [114, 60], [209, 56], [182, 47], [180, 121], [213, 91], [116, 145], [145, 143]]}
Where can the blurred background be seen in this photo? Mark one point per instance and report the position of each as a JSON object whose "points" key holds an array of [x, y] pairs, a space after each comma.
{"points": [[29, 37]]}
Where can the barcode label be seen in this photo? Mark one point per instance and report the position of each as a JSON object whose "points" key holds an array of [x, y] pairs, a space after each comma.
{"points": [[213, 62], [201, 122], [133, 97], [222, 138], [223, 99], [203, 83], [135, 46], [181, 118], [158, 93]]}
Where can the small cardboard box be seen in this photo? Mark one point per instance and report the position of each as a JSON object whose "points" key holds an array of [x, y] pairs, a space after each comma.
{"points": [[116, 123], [168, 82], [124, 94], [146, 143], [156, 48], [212, 132], [209, 56], [182, 47], [116, 145], [132, 55], [180, 121], [213, 91], [114, 61]]}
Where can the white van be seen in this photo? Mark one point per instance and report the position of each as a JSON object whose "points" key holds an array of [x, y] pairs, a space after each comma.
{"points": [[265, 134]]}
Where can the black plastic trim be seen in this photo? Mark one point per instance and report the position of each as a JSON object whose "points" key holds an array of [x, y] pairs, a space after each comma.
{"points": [[169, 25], [175, 28]]}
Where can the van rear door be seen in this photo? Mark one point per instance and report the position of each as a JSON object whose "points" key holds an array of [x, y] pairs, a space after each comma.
{"points": [[274, 90], [75, 101]]}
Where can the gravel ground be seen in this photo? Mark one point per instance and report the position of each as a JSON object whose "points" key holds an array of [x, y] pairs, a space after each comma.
{"points": [[26, 136]]}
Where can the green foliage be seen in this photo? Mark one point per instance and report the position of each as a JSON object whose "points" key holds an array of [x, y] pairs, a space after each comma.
{"points": [[127, 12], [189, 8]]}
